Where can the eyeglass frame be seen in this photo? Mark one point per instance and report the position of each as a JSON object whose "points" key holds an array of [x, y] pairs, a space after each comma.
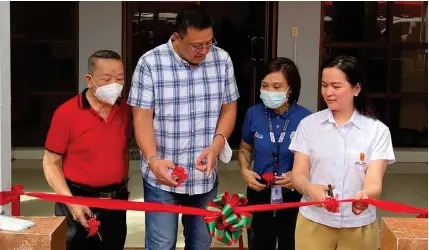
{"points": [[196, 50]]}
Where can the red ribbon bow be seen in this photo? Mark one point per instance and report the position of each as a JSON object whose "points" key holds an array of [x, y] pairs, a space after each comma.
{"points": [[331, 204], [179, 175], [226, 225], [13, 194], [93, 225], [269, 178]]}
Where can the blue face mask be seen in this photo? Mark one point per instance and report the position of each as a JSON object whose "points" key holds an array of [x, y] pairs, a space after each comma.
{"points": [[274, 100]]}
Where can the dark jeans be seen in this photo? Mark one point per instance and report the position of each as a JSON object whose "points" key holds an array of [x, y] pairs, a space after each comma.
{"points": [[266, 230], [161, 228], [113, 228]]}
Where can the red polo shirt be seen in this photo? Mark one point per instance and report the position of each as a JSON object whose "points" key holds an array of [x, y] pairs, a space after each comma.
{"points": [[92, 148]]}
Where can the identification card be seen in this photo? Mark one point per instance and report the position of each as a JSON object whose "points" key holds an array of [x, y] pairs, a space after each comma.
{"points": [[276, 194]]}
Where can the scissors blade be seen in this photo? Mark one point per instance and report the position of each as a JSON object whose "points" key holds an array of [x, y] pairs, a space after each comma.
{"points": [[330, 192]]}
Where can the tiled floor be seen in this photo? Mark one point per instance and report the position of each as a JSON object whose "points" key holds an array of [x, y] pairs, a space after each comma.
{"points": [[404, 182]]}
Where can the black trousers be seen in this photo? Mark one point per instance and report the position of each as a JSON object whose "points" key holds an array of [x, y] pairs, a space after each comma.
{"points": [[266, 230], [113, 228]]}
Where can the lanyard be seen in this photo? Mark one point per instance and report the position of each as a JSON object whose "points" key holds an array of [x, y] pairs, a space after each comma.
{"points": [[276, 145]]}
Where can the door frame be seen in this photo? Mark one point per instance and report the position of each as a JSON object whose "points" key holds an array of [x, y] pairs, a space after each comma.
{"points": [[127, 22], [127, 14]]}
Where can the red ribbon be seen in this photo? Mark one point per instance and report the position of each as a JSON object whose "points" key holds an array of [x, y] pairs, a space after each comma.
{"points": [[17, 190], [8, 196], [179, 175], [423, 215]]}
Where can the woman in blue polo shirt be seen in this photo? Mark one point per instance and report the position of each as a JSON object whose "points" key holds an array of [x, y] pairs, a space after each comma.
{"points": [[267, 131]]}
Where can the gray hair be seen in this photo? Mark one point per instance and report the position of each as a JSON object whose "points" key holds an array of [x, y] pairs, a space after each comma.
{"points": [[101, 54]]}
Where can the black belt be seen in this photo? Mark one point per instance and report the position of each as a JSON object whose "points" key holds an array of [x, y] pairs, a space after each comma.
{"points": [[110, 191]]}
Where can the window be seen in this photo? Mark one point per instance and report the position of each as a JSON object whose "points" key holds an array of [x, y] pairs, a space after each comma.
{"points": [[390, 38]]}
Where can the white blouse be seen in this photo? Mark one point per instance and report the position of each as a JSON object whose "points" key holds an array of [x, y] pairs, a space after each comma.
{"points": [[340, 156]]}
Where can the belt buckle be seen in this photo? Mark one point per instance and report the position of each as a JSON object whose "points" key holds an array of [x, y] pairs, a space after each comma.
{"points": [[107, 195]]}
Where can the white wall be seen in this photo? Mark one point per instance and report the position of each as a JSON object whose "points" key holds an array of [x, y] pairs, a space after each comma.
{"points": [[306, 16], [5, 123], [100, 27]]}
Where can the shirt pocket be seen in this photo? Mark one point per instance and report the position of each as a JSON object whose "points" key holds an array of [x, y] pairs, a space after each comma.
{"points": [[359, 158]]}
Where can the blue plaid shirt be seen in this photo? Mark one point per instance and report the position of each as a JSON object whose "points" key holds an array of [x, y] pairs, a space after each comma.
{"points": [[187, 103]]}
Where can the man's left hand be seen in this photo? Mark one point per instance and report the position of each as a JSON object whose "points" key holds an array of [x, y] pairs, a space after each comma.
{"points": [[206, 161], [359, 207]]}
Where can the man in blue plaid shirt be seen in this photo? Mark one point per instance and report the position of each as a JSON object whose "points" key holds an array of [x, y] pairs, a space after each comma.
{"points": [[184, 98]]}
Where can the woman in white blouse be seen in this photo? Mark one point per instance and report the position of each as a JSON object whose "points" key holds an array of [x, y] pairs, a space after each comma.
{"points": [[346, 146]]}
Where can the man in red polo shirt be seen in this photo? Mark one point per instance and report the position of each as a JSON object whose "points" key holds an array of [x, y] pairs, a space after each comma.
{"points": [[86, 154]]}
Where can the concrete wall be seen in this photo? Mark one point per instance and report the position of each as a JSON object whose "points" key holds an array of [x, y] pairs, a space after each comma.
{"points": [[5, 123], [100, 27], [305, 16]]}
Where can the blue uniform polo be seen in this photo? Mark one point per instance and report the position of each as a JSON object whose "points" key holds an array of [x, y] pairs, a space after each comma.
{"points": [[255, 131]]}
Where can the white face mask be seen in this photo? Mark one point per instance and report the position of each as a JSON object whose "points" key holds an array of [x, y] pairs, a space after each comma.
{"points": [[108, 93], [274, 100], [226, 153]]}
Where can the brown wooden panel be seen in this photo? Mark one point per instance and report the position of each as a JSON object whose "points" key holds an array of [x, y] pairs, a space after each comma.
{"points": [[49, 233], [404, 234]]}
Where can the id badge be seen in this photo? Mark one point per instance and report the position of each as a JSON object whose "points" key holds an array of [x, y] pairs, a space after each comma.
{"points": [[276, 194]]}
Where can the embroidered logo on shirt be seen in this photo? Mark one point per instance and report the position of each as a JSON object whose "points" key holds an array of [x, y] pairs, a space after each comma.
{"points": [[362, 156], [259, 136], [361, 161]]}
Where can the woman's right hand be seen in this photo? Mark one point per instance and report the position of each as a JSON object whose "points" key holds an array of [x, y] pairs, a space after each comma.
{"points": [[317, 192], [251, 178]]}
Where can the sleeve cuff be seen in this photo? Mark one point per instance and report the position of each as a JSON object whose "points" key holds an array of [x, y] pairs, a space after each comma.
{"points": [[54, 151], [389, 159], [248, 141], [231, 99], [140, 105], [298, 149]]}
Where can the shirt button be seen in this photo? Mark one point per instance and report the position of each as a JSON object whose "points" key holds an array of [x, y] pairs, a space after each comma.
{"points": [[278, 126], [278, 117]]}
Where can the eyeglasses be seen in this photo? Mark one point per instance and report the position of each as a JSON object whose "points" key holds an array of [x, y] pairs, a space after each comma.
{"points": [[200, 48]]}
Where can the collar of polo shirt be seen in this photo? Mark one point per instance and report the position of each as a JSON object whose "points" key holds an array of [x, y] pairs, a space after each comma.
{"points": [[356, 119], [284, 115], [84, 103]]}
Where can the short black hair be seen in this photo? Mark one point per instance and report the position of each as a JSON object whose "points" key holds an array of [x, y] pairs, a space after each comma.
{"points": [[195, 16], [101, 54], [355, 74], [291, 74]]}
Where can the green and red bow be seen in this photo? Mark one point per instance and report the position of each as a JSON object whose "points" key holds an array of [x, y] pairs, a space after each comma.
{"points": [[227, 226]]}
